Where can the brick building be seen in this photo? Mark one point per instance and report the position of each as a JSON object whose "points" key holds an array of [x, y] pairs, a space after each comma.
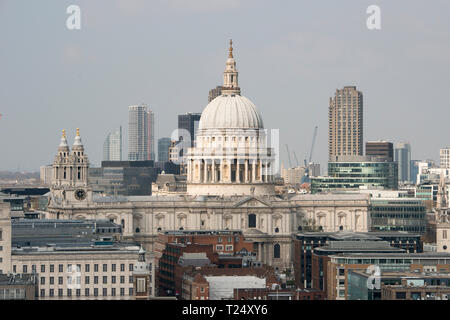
{"points": [[211, 283], [223, 249]]}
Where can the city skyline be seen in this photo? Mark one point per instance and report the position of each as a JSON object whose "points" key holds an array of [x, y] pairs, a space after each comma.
{"points": [[394, 101]]}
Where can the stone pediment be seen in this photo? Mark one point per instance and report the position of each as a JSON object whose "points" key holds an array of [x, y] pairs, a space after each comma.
{"points": [[252, 202], [250, 232]]}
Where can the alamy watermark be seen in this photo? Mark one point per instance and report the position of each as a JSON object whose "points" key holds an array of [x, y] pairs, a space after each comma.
{"points": [[73, 22], [374, 20]]}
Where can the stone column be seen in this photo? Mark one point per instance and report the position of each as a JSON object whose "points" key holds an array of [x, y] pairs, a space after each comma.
{"points": [[259, 251], [229, 170], [238, 176], [253, 170], [205, 171], [213, 170], [221, 170], [266, 172], [246, 171]]}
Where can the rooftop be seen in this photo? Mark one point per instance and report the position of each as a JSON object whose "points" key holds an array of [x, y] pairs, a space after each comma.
{"points": [[358, 246]]}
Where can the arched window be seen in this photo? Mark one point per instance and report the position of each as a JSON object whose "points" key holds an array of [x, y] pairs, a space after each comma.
{"points": [[181, 228], [122, 222], [299, 228], [159, 229], [277, 230], [276, 251], [341, 228], [252, 220], [138, 230]]}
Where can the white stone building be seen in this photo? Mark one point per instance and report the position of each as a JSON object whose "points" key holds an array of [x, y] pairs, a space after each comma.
{"points": [[229, 186]]}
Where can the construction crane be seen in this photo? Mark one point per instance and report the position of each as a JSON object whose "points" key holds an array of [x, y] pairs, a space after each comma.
{"points": [[289, 156], [307, 163], [296, 160]]}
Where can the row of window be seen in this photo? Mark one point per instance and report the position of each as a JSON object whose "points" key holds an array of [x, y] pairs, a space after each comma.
{"points": [[87, 292], [87, 279], [75, 268]]}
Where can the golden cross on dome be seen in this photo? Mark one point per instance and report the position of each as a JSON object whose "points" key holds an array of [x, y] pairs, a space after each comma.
{"points": [[78, 132], [231, 49], [64, 133]]}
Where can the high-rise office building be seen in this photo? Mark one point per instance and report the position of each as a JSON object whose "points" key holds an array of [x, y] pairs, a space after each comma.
{"points": [[445, 157], [151, 135], [214, 93], [189, 122], [402, 155], [163, 149], [138, 140], [345, 123], [112, 147], [381, 149]]}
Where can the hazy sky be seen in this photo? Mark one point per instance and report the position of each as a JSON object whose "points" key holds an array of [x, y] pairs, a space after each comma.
{"points": [[291, 57]]}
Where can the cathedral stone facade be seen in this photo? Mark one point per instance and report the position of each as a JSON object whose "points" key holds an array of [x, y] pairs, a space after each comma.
{"points": [[229, 186]]}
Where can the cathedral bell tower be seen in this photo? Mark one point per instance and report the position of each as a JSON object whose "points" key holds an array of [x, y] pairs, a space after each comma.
{"points": [[70, 174]]}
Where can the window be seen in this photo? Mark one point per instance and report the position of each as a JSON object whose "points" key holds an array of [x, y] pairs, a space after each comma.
{"points": [[42, 280], [219, 239], [105, 268], [86, 292], [78, 292], [52, 280], [113, 267], [69, 292], [400, 295], [130, 279], [87, 267], [276, 251], [122, 267], [52, 268], [52, 292], [86, 280], [252, 220], [122, 291], [25, 268], [140, 284], [130, 267], [96, 280], [95, 292], [113, 292], [60, 268], [60, 280], [95, 267], [105, 292], [113, 279], [122, 279], [60, 292], [42, 292], [130, 291], [105, 279], [229, 247], [219, 247], [42, 267]]}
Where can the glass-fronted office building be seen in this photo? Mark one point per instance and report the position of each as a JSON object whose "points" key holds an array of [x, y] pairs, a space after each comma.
{"points": [[352, 175], [400, 214]]}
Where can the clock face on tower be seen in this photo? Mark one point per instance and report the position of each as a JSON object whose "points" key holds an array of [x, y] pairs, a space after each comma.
{"points": [[80, 194]]}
